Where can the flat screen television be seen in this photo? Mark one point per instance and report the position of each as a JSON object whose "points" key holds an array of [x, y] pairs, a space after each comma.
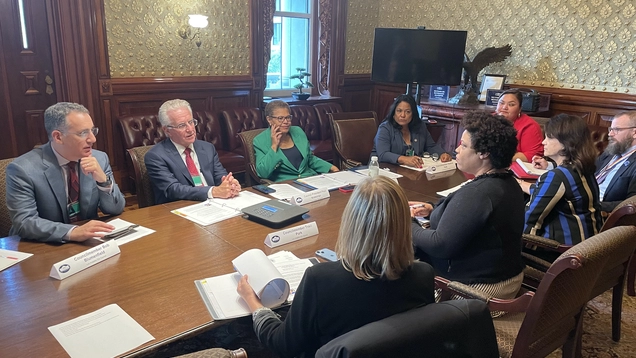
{"points": [[426, 57]]}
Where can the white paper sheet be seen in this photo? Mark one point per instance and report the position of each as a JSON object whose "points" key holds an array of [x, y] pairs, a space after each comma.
{"points": [[107, 332], [215, 210], [136, 233], [9, 258], [449, 191], [383, 172], [284, 191]]}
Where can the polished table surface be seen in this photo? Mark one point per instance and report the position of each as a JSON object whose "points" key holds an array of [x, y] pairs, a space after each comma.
{"points": [[152, 278]]}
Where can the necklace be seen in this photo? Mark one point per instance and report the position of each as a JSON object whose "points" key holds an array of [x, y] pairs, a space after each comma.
{"points": [[493, 173]]}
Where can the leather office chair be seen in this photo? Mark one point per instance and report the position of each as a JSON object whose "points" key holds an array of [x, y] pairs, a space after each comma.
{"points": [[461, 328], [209, 130], [353, 134], [238, 120], [539, 322], [5, 218], [145, 195], [305, 117], [623, 215], [247, 139]]}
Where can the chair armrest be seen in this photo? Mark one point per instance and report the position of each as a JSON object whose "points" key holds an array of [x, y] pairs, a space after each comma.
{"points": [[538, 263], [518, 304], [534, 241], [266, 181], [352, 163]]}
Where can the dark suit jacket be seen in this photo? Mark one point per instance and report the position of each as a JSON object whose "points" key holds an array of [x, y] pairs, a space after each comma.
{"points": [[388, 144], [170, 177], [36, 195], [623, 184]]}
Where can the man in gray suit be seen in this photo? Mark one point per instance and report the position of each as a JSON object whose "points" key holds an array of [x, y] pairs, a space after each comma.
{"points": [[62, 182], [183, 168]]}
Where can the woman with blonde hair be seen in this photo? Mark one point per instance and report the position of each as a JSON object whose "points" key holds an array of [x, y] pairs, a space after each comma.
{"points": [[375, 276]]}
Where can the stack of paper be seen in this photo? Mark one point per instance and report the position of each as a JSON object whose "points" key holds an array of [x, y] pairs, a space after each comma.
{"points": [[332, 181], [215, 210]]}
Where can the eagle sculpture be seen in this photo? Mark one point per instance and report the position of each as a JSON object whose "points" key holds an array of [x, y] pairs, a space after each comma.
{"points": [[480, 61], [468, 92]]}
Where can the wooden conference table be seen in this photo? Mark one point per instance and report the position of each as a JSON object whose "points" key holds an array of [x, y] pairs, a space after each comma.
{"points": [[152, 278]]}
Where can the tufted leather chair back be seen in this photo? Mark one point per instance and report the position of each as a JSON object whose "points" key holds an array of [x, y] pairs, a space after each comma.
{"points": [[141, 130], [305, 117], [600, 137], [238, 120], [209, 128], [322, 111]]}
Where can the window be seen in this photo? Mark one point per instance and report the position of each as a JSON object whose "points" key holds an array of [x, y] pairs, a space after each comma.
{"points": [[291, 45]]}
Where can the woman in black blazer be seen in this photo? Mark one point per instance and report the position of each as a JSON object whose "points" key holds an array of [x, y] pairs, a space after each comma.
{"points": [[375, 277]]}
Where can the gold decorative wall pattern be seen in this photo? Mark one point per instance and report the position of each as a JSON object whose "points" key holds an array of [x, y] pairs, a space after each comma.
{"points": [[143, 41], [578, 44], [363, 18]]}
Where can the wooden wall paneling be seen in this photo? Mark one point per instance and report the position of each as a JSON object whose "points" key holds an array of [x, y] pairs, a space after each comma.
{"points": [[355, 91], [8, 146], [384, 95]]}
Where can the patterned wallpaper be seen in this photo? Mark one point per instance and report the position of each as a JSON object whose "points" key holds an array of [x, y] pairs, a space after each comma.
{"points": [[143, 40], [579, 44]]}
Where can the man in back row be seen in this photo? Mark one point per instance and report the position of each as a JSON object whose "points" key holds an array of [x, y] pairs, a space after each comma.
{"points": [[62, 182], [616, 167], [183, 168]]}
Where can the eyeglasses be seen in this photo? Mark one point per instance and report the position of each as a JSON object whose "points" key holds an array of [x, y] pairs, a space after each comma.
{"points": [[617, 129], [282, 119], [427, 155], [182, 126], [84, 134]]}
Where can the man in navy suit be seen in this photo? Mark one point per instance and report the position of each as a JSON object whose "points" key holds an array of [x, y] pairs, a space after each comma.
{"points": [[62, 182], [183, 168], [616, 167]]}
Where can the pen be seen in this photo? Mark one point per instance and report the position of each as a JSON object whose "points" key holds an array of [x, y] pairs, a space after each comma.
{"points": [[416, 206]]}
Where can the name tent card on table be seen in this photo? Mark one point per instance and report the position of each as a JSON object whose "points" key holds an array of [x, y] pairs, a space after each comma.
{"points": [[282, 237], [310, 196], [84, 260]]}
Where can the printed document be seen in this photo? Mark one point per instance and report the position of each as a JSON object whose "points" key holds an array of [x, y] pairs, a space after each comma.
{"points": [[272, 278], [448, 192], [216, 210], [9, 258], [107, 332]]}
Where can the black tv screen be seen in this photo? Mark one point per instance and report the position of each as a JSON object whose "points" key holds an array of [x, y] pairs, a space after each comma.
{"points": [[427, 57]]}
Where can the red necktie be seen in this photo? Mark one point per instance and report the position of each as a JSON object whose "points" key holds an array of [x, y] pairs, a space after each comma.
{"points": [[192, 168], [73, 186]]}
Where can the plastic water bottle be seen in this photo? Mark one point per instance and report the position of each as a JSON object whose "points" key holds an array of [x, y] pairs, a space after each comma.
{"points": [[374, 167]]}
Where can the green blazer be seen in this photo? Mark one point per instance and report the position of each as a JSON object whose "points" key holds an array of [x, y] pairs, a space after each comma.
{"points": [[276, 167]]}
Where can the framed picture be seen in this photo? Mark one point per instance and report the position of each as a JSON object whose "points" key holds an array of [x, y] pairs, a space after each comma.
{"points": [[490, 82], [492, 96]]}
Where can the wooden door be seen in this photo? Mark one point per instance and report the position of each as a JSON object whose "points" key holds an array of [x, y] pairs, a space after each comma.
{"points": [[26, 74]]}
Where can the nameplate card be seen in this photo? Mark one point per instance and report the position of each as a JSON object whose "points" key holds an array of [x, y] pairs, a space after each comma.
{"points": [[439, 93], [492, 96], [84, 260], [310, 197], [292, 234], [433, 167]]}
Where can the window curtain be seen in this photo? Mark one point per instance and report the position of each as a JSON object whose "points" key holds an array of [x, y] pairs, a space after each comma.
{"points": [[269, 6]]}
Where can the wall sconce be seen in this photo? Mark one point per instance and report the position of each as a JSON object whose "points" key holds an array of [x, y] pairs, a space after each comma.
{"points": [[195, 21]]}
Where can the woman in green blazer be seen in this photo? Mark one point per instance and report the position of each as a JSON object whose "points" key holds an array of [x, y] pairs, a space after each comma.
{"points": [[282, 151]]}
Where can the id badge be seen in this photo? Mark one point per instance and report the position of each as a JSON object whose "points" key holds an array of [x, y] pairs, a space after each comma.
{"points": [[410, 152], [197, 180], [73, 209]]}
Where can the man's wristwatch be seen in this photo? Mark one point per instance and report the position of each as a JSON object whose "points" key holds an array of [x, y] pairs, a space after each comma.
{"points": [[105, 184]]}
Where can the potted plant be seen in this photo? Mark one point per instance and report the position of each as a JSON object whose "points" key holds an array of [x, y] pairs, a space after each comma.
{"points": [[300, 95]]}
